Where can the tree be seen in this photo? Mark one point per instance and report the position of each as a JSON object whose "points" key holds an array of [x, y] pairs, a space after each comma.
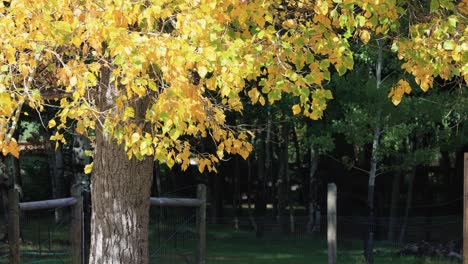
{"points": [[142, 78]]}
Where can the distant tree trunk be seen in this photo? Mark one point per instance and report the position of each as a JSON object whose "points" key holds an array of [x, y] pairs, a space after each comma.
{"points": [[58, 180], [249, 195], [236, 202], [313, 223], [394, 205], [283, 179], [409, 200], [260, 202], [373, 167], [157, 180], [4, 186], [289, 193]]}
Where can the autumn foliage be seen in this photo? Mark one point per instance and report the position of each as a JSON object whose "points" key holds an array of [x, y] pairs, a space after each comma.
{"points": [[191, 62]]}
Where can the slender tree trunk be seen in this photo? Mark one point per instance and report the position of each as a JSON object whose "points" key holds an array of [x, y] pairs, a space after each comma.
{"points": [[409, 201], [373, 167], [4, 186], [260, 201], [236, 202], [249, 195], [283, 180], [313, 223], [394, 205], [157, 180], [288, 179], [58, 181]]}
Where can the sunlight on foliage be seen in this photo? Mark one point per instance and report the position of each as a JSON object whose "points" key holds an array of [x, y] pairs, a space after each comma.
{"points": [[168, 71]]}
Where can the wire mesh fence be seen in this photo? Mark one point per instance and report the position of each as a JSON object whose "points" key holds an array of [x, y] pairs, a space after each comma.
{"points": [[44, 237], [174, 231], [173, 235], [437, 238]]}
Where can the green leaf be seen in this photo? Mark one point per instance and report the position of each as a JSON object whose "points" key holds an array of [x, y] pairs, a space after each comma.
{"points": [[434, 5], [449, 45]]}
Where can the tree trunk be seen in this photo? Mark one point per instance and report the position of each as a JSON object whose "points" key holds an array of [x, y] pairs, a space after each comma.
{"points": [[58, 180], [236, 202], [313, 223], [120, 191], [373, 167], [409, 200], [260, 201], [283, 180], [249, 195], [394, 205]]}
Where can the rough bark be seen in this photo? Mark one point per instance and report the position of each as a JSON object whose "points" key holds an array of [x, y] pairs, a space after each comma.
{"points": [[373, 167], [120, 191]]}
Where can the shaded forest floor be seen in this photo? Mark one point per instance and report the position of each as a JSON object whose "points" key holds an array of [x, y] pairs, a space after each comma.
{"points": [[225, 245], [229, 247]]}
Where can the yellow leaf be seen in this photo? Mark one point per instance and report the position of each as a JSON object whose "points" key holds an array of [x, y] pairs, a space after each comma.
{"points": [[262, 100], [202, 71], [364, 35], [73, 81], [296, 109], [254, 94], [52, 123], [396, 93], [290, 23], [88, 168], [135, 138]]}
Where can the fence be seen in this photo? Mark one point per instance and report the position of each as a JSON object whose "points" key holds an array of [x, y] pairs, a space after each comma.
{"points": [[175, 236], [47, 206], [178, 227]]}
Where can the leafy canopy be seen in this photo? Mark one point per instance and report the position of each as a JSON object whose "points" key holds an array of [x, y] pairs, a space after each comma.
{"points": [[188, 63]]}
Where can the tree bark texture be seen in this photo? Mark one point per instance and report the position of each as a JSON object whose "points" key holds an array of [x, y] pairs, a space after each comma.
{"points": [[120, 191]]}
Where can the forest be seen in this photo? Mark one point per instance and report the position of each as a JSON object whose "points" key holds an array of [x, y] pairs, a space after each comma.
{"points": [[265, 103]]}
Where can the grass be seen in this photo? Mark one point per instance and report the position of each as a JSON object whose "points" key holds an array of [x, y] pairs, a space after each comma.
{"points": [[230, 247], [224, 246]]}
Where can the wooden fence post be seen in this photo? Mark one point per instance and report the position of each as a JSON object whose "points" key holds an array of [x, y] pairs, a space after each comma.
{"points": [[331, 218], [201, 224], [465, 209], [76, 237], [13, 226]]}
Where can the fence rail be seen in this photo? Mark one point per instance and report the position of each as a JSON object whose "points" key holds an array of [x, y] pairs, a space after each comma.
{"points": [[176, 202], [48, 204], [77, 219]]}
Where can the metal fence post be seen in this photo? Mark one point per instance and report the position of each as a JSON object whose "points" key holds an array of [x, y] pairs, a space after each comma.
{"points": [[331, 217], [201, 224]]}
